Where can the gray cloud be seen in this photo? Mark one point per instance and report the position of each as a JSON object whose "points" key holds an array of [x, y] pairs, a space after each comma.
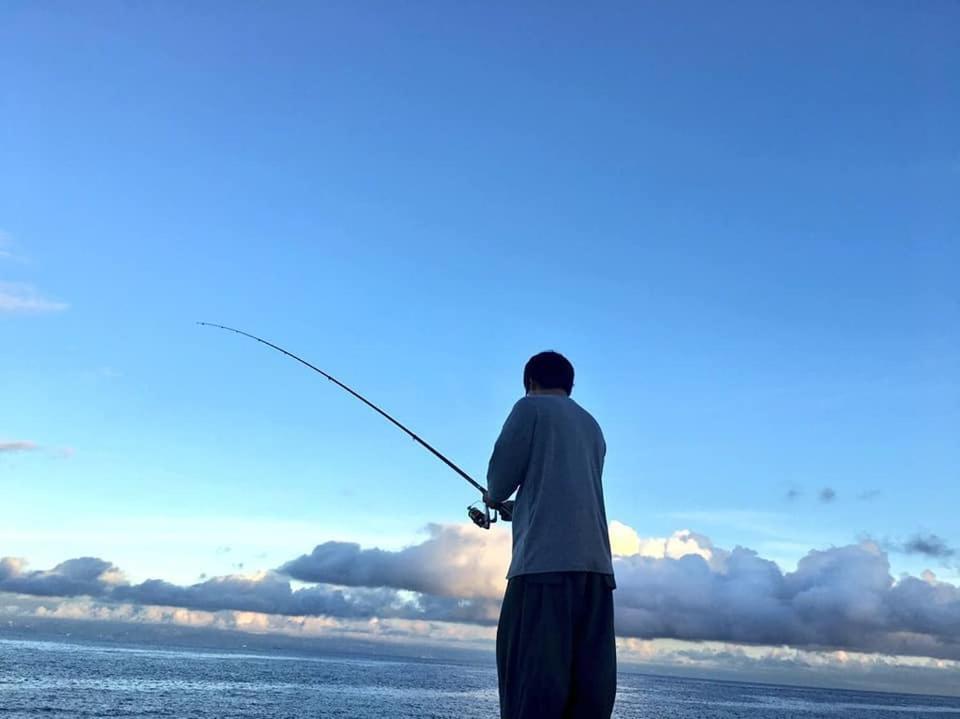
{"points": [[84, 576], [271, 593], [17, 445], [827, 495], [268, 592], [793, 494], [928, 545], [838, 598]]}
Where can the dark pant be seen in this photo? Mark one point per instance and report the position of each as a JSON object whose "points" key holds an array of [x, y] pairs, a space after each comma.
{"points": [[556, 654]]}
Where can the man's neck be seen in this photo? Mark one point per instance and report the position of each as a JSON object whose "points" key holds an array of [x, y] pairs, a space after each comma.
{"points": [[553, 392]]}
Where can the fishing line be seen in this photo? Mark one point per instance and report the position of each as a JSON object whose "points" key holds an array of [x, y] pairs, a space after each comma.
{"points": [[480, 518]]}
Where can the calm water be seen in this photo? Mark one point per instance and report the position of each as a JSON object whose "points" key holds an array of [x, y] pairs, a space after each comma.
{"points": [[53, 680]]}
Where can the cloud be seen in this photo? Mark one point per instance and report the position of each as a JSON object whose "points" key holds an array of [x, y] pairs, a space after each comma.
{"points": [[17, 445], [83, 618], [828, 494], [6, 245], [20, 298], [265, 592], [675, 588], [271, 593], [12, 446], [625, 542], [928, 545], [84, 576], [103, 619], [838, 598], [256, 632], [455, 561], [784, 665]]}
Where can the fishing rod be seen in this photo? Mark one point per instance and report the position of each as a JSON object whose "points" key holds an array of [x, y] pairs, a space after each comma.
{"points": [[482, 518]]}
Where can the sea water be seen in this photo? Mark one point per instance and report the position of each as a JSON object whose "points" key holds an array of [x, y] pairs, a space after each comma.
{"points": [[55, 679]]}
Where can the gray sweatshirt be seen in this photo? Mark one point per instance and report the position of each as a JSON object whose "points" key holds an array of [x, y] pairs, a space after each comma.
{"points": [[551, 450]]}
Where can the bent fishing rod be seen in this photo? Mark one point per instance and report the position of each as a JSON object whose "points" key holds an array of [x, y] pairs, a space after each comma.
{"points": [[482, 518]]}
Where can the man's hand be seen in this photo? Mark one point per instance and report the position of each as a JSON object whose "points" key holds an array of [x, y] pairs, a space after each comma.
{"points": [[504, 508]]}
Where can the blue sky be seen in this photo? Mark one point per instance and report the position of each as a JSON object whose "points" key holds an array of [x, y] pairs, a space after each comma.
{"points": [[741, 226]]}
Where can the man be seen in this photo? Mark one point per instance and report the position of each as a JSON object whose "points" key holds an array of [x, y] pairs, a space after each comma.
{"points": [[556, 655]]}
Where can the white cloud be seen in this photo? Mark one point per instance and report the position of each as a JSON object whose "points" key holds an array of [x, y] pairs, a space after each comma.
{"points": [[6, 243], [625, 542], [454, 561], [21, 298]]}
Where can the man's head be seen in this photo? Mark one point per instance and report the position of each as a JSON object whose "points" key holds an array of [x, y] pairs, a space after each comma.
{"points": [[548, 372]]}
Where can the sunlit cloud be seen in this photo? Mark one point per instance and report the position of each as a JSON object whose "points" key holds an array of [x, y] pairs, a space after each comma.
{"points": [[454, 561], [626, 542]]}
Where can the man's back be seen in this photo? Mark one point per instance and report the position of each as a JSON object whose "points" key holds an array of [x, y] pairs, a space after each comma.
{"points": [[553, 450], [556, 649]]}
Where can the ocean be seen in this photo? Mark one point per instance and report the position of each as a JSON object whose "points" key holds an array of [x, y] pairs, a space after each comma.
{"points": [[56, 679]]}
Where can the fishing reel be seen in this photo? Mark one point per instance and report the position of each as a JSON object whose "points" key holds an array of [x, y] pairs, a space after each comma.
{"points": [[483, 518]]}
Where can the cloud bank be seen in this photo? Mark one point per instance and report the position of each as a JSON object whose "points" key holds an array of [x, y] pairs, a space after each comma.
{"points": [[680, 587], [263, 592]]}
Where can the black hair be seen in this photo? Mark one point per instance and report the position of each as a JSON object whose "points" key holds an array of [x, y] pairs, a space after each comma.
{"points": [[550, 370]]}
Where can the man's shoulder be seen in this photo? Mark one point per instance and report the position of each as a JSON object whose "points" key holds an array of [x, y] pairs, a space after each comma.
{"points": [[590, 421], [525, 404], [563, 409]]}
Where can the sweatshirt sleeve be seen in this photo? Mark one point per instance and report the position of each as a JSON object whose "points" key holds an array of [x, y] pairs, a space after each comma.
{"points": [[511, 453]]}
